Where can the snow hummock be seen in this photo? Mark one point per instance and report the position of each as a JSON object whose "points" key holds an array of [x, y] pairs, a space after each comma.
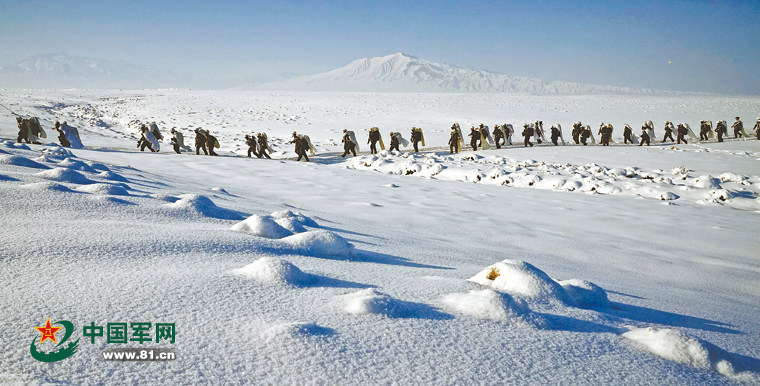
{"points": [[488, 304], [586, 294], [202, 205], [371, 301], [64, 175], [270, 270], [522, 279], [17, 160], [108, 189], [263, 226], [320, 243], [682, 348]]}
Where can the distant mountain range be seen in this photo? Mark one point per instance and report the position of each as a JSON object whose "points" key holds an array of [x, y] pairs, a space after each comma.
{"points": [[404, 73], [60, 70]]}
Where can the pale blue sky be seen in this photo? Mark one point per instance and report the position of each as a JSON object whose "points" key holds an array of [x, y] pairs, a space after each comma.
{"points": [[715, 46]]}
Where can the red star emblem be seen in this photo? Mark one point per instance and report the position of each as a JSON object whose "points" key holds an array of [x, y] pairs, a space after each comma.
{"points": [[48, 332]]}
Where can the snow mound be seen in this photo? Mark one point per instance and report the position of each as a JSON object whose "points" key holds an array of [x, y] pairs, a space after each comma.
{"points": [[219, 189], [76, 165], [57, 152], [64, 175], [320, 243], [262, 226], [297, 217], [17, 160], [202, 205], [297, 330], [370, 301], [678, 347], [519, 278], [108, 189], [273, 271], [706, 182], [731, 177], [111, 176], [98, 166], [488, 304], [47, 186], [586, 294]]}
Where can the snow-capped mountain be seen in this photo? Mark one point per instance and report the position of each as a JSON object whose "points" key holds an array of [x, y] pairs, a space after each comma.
{"points": [[404, 73], [61, 70]]}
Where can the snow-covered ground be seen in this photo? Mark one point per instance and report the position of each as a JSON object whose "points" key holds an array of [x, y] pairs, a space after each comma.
{"points": [[547, 265]]}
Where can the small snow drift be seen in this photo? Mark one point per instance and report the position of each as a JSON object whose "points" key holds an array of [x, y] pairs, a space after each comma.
{"points": [[370, 301], [17, 160], [262, 226], [111, 176], [98, 166], [320, 243], [57, 152], [269, 270], [298, 330], [108, 189], [202, 205], [46, 186], [519, 278], [678, 347], [76, 165], [296, 217], [586, 294], [488, 304], [65, 175]]}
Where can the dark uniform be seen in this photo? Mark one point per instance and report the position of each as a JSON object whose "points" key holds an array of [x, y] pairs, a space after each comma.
{"points": [[23, 130], [348, 146], [142, 143], [606, 133], [251, 142], [577, 130], [374, 138], [738, 127], [644, 136], [454, 142], [682, 131], [262, 140], [585, 135], [301, 145], [175, 142], [498, 136], [474, 138], [668, 132], [721, 130], [704, 130], [394, 143], [757, 129], [211, 143], [61, 136], [627, 135], [555, 135], [416, 137], [540, 131], [200, 142], [527, 133]]}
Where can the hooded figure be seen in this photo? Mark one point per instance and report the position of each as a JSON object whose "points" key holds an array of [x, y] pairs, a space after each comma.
{"points": [[72, 135], [395, 141], [474, 138], [454, 141], [485, 137], [212, 143], [680, 135], [417, 137], [586, 134], [509, 131], [301, 146], [528, 132], [669, 129], [721, 129], [348, 144], [644, 136], [252, 145], [556, 135], [650, 130], [704, 130], [576, 133], [628, 135], [261, 138], [147, 140], [178, 141], [738, 129], [61, 135], [374, 138], [456, 128], [498, 136], [200, 141]]}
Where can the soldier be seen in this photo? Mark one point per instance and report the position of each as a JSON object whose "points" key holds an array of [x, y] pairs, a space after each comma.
{"points": [[757, 128], [416, 137], [527, 133], [374, 138], [498, 135], [211, 142], [348, 145], [252, 145], [721, 129], [23, 130], [177, 140], [577, 130], [156, 133], [627, 135], [539, 133], [585, 135], [301, 145], [681, 133], [200, 142], [61, 135], [261, 138], [147, 140], [668, 131], [474, 138], [454, 141], [555, 135], [606, 134], [738, 128], [644, 136], [508, 132], [704, 130], [394, 142]]}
